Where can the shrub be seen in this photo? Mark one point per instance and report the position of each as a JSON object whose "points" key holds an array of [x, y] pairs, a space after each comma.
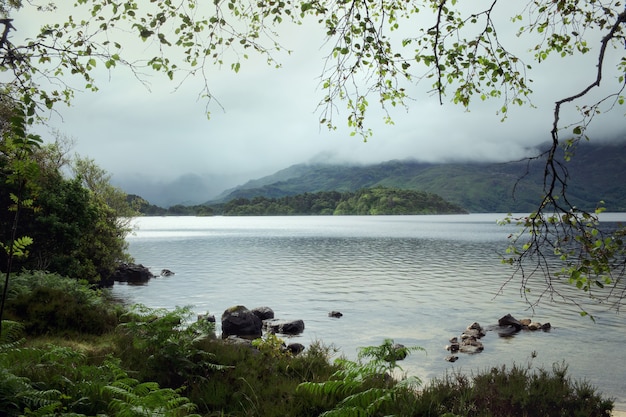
{"points": [[364, 388], [514, 391], [163, 346], [52, 304]]}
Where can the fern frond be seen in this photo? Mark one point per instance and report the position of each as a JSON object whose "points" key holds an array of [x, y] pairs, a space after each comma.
{"points": [[145, 388], [62, 354], [12, 332], [368, 400], [120, 392], [40, 400], [346, 412], [330, 389]]}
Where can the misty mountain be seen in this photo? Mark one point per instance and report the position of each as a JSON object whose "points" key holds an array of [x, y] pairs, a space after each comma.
{"points": [[596, 173], [188, 190]]}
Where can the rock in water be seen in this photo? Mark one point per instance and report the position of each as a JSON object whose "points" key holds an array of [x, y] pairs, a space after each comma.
{"points": [[509, 320], [264, 313], [288, 327], [239, 321]]}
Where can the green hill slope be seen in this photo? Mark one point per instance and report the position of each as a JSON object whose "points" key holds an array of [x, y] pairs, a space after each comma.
{"points": [[596, 173]]}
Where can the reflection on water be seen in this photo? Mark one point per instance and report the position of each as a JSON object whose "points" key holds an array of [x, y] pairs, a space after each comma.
{"points": [[417, 279]]}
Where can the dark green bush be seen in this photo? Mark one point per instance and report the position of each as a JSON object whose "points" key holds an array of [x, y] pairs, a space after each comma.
{"points": [[49, 304], [515, 391]]}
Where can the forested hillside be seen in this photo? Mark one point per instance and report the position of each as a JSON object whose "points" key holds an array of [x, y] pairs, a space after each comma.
{"points": [[374, 201], [596, 173]]}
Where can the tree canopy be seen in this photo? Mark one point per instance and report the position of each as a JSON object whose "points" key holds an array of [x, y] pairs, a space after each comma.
{"points": [[378, 52], [372, 201]]}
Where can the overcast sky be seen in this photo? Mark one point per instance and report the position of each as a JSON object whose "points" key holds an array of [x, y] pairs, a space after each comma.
{"points": [[269, 120]]}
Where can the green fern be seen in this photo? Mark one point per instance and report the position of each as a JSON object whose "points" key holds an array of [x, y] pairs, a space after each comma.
{"points": [[19, 247], [363, 389], [11, 335], [131, 398], [40, 403], [18, 397]]}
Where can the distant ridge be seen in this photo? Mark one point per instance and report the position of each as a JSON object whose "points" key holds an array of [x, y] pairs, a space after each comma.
{"points": [[597, 172]]}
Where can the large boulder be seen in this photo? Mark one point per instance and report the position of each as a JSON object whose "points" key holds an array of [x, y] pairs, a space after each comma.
{"points": [[132, 273], [239, 321], [288, 327], [510, 321]]}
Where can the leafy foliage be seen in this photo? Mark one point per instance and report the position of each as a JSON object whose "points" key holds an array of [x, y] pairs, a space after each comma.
{"points": [[587, 254], [167, 345], [371, 58], [18, 175], [75, 376], [69, 385], [74, 230], [363, 388]]}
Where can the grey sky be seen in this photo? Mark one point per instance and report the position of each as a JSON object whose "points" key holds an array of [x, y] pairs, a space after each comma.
{"points": [[269, 120]]}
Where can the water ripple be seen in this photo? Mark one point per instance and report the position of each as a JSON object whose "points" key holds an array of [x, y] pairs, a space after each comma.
{"points": [[417, 279]]}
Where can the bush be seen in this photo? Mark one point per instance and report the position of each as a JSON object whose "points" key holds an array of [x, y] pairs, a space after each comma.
{"points": [[48, 304], [514, 391]]}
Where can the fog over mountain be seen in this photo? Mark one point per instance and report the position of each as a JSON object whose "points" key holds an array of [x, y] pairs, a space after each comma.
{"points": [[596, 170], [155, 139], [187, 189]]}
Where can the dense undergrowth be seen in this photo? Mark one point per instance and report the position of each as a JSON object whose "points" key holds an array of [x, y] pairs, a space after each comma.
{"points": [[67, 350]]}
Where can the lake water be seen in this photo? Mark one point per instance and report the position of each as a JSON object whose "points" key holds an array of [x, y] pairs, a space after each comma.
{"points": [[419, 280]]}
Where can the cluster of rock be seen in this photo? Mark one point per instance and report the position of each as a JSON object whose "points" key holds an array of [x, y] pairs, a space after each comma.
{"points": [[509, 324], [238, 322], [469, 341]]}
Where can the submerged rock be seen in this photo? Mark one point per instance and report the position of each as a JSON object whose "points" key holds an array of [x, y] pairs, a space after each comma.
{"points": [[264, 313], [288, 327], [398, 352], [295, 348]]}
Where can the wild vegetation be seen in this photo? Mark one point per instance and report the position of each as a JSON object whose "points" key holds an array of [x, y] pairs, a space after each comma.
{"points": [[373, 201], [119, 360], [77, 224], [67, 351], [146, 208]]}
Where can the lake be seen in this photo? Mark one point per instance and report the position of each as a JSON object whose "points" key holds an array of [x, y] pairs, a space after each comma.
{"points": [[418, 280]]}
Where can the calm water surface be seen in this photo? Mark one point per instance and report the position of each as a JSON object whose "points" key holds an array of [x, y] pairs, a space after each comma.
{"points": [[416, 279]]}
